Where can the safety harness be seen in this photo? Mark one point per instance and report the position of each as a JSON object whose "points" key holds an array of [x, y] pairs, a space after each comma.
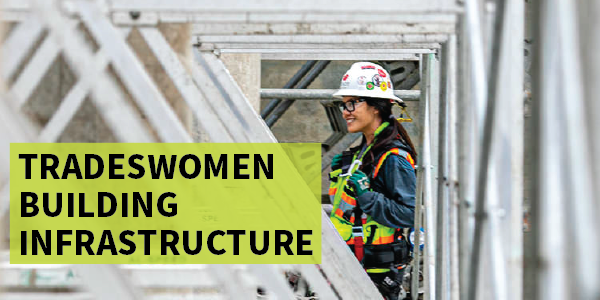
{"points": [[351, 222]]}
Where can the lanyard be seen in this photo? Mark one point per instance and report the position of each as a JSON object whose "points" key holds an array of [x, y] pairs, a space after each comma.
{"points": [[356, 161]]}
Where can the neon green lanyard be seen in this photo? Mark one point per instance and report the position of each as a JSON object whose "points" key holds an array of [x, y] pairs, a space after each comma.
{"points": [[356, 162]]}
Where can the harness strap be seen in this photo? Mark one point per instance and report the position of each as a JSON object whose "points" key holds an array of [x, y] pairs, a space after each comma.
{"points": [[360, 218], [357, 233]]}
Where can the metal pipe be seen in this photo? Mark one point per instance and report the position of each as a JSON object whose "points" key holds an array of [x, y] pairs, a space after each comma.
{"points": [[504, 203], [477, 55], [416, 263], [421, 174], [434, 107], [546, 211], [513, 129], [441, 256], [537, 202], [305, 82], [315, 94], [589, 24], [452, 168], [290, 84], [429, 259], [581, 217], [430, 246], [487, 141], [466, 165]]}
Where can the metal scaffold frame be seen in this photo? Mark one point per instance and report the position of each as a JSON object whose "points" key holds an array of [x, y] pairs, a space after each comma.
{"points": [[207, 76], [566, 192], [471, 128]]}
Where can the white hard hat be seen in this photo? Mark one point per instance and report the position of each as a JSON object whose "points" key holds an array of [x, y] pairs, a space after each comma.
{"points": [[365, 79]]}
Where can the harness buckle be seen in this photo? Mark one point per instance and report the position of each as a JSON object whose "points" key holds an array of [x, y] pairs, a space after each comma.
{"points": [[357, 231], [355, 162]]}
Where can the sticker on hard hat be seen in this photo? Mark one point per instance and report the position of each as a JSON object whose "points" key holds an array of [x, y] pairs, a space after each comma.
{"points": [[368, 67], [345, 77], [370, 85], [381, 72], [361, 80], [383, 86], [376, 80], [389, 84]]}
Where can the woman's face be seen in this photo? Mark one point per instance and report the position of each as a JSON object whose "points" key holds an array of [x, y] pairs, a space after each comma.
{"points": [[363, 119]]}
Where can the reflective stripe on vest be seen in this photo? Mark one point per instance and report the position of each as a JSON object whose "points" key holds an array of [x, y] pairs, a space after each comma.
{"points": [[396, 151]]}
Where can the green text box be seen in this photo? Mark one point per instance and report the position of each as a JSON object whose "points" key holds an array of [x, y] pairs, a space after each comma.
{"points": [[284, 207]]}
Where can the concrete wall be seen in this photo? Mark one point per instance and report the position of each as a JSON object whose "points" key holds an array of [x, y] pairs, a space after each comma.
{"points": [[245, 69]]}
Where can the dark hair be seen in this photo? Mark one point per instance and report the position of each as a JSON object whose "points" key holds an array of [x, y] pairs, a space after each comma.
{"points": [[395, 131]]}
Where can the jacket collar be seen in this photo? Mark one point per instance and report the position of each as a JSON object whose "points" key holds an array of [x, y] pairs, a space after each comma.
{"points": [[381, 127]]}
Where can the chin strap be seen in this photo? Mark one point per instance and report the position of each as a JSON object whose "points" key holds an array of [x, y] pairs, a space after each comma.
{"points": [[402, 118], [403, 112]]}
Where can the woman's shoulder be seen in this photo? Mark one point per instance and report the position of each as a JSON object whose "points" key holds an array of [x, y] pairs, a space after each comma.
{"points": [[394, 160], [402, 159], [394, 147]]}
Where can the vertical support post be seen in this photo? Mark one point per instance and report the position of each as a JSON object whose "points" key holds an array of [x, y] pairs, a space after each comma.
{"points": [[581, 218], [513, 120], [467, 132], [424, 165], [575, 170], [434, 120], [589, 24], [420, 219], [499, 185], [474, 36], [453, 202], [441, 256], [428, 74], [416, 263], [546, 191], [501, 162], [487, 201]]}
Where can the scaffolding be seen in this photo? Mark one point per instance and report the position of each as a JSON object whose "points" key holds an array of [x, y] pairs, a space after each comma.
{"points": [[470, 184]]}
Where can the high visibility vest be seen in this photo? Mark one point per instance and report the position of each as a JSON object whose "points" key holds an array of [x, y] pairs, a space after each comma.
{"points": [[342, 215]]}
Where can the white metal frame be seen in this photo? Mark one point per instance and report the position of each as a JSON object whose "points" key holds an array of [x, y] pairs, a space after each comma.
{"points": [[207, 77], [315, 94], [557, 60], [462, 138]]}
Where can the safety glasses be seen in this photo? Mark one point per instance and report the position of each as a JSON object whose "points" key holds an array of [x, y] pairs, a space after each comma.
{"points": [[350, 106]]}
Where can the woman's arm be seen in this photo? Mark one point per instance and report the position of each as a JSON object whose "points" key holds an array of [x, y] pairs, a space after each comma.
{"points": [[399, 182]]}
